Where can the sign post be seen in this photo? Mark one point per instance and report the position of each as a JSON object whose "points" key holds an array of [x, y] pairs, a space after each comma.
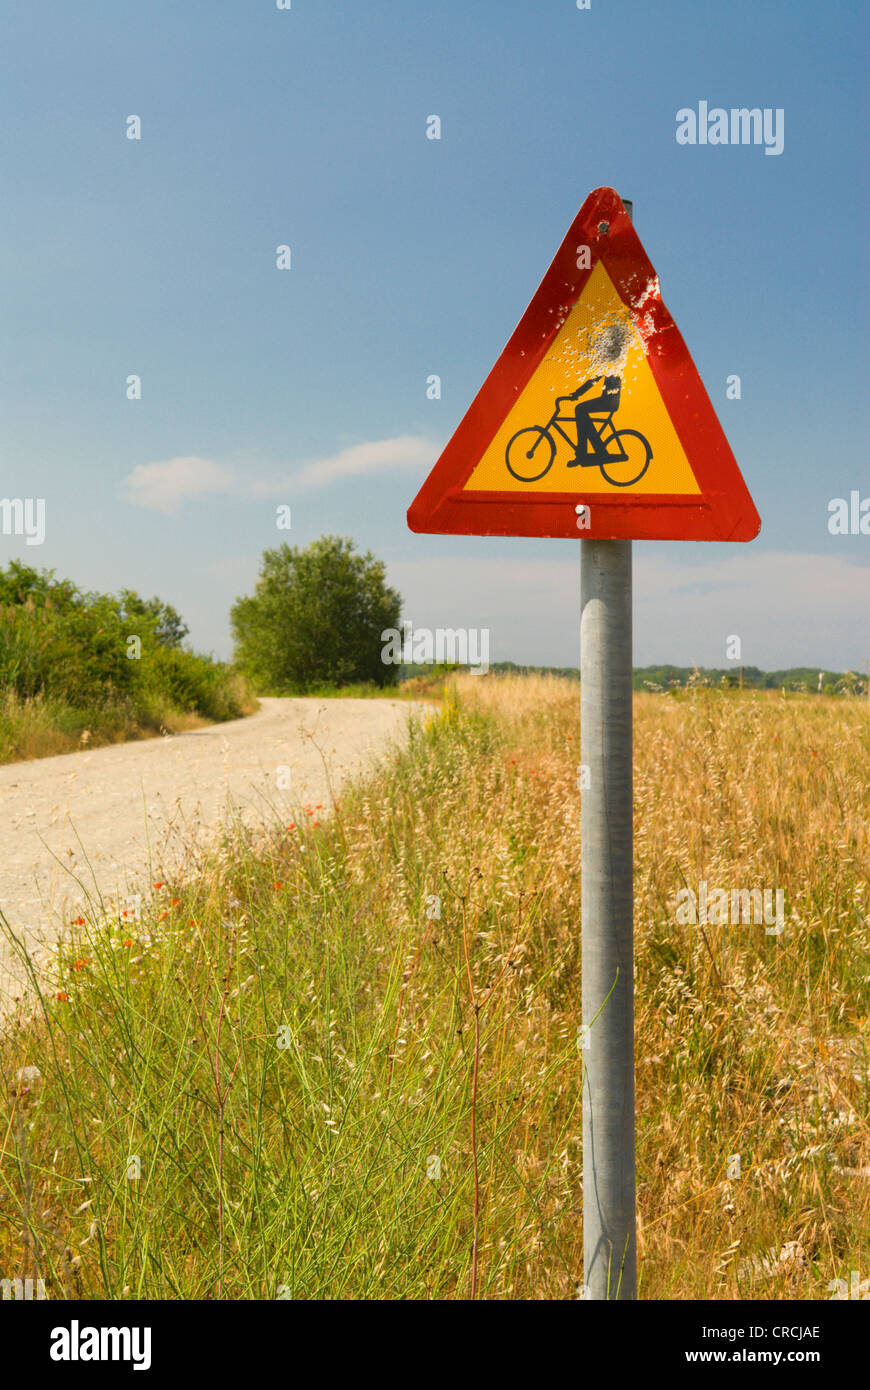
{"points": [[607, 914], [594, 423]]}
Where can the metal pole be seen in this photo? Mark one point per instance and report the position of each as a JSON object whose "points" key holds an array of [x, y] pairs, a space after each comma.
{"points": [[607, 907]]}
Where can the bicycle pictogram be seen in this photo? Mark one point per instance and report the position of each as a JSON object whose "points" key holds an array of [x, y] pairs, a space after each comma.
{"points": [[530, 452]]}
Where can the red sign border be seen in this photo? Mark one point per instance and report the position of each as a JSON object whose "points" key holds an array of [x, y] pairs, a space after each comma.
{"points": [[723, 511]]}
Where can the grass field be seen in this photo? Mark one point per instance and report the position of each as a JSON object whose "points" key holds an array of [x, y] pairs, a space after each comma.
{"points": [[296, 1049]]}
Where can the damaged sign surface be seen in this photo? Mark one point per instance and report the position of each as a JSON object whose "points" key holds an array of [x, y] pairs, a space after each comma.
{"points": [[594, 421]]}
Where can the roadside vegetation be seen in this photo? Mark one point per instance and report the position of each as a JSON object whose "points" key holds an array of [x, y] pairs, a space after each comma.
{"points": [[342, 1061], [82, 669]]}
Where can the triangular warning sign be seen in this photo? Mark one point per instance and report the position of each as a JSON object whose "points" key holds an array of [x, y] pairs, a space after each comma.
{"points": [[594, 421]]}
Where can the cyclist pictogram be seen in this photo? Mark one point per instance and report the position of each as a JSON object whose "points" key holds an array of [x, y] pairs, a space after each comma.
{"points": [[622, 455], [542, 446]]}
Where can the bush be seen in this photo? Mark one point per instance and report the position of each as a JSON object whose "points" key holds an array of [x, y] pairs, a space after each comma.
{"points": [[316, 618], [67, 664], [195, 684]]}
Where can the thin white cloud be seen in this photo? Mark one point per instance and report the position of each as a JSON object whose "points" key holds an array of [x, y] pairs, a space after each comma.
{"points": [[162, 487], [405, 452]]}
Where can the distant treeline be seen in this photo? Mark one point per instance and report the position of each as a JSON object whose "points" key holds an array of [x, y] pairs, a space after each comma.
{"points": [[684, 677], [795, 678], [672, 677]]}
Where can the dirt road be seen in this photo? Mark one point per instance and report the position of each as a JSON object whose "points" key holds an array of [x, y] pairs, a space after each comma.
{"points": [[114, 820]]}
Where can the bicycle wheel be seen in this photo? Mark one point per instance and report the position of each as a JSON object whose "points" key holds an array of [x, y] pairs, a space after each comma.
{"points": [[529, 453], [631, 470]]}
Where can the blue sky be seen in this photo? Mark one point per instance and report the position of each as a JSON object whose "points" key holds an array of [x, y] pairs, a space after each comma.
{"points": [[307, 127]]}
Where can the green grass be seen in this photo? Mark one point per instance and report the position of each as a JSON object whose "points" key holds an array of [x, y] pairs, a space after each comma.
{"points": [[428, 682], [287, 1042]]}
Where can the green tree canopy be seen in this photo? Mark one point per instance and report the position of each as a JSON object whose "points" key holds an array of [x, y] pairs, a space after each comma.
{"points": [[24, 586], [169, 627], [316, 618], [21, 584]]}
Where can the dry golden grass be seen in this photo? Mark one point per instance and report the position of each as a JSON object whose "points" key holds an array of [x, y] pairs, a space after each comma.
{"points": [[42, 728], [745, 1043]]}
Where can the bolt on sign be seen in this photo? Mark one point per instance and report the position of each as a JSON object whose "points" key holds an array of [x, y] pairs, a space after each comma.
{"points": [[594, 422]]}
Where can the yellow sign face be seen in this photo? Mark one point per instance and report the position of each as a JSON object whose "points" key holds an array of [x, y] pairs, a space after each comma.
{"points": [[591, 419]]}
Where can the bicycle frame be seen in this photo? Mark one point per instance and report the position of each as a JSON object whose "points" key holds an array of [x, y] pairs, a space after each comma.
{"points": [[606, 419]]}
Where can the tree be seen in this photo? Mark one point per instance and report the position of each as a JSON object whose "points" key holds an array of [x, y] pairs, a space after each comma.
{"points": [[169, 627], [316, 618]]}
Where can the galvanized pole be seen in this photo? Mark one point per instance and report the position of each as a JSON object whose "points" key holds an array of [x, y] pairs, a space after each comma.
{"points": [[607, 906]]}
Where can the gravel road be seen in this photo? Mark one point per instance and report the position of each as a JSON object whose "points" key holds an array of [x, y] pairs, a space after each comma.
{"points": [[117, 819]]}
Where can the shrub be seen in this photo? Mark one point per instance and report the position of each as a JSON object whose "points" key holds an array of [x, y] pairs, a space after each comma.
{"points": [[67, 665], [316, 618]]}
